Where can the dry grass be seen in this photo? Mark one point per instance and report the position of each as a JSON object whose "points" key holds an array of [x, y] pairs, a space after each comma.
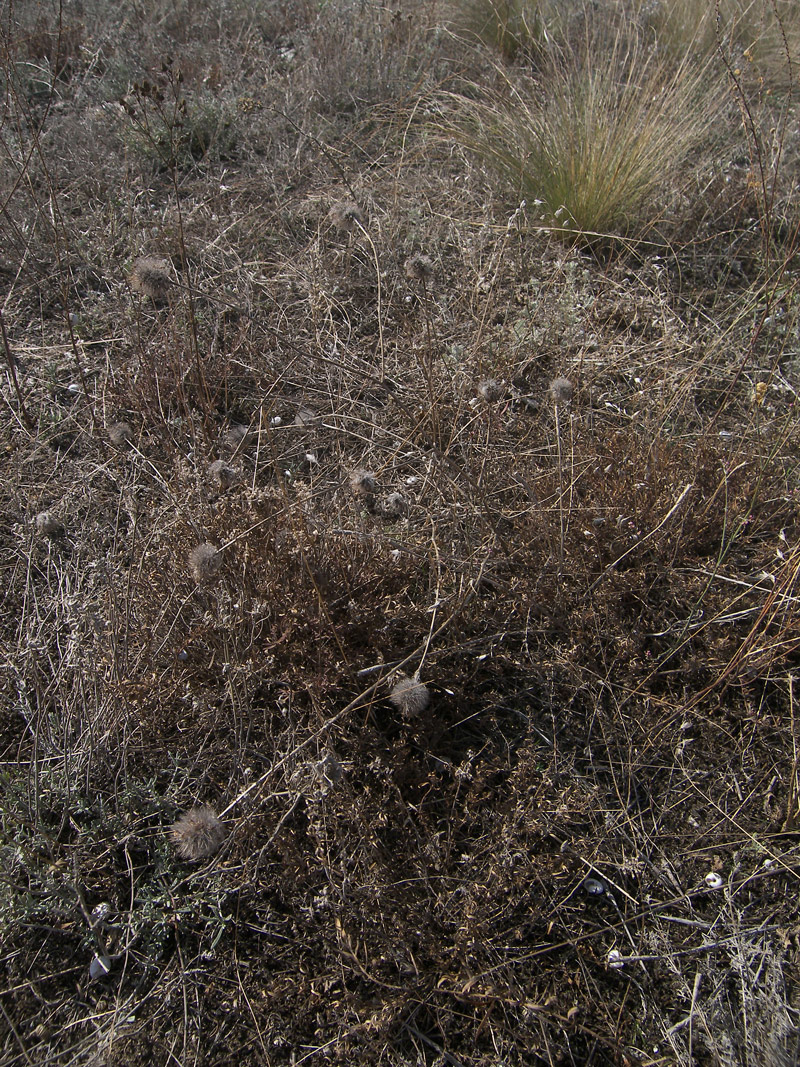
{"points": [[553, 499]]}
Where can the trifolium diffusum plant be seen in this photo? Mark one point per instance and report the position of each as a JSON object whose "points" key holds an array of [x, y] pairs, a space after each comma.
{"points": [[346, 216], [220, 475], [363, 484], [410, 696], [198, 834], [48, 525], [151, 277], [205, 561], [120, 434]]}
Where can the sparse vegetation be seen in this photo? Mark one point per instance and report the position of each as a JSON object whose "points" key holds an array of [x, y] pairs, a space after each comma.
{"points": [[399, 579]]}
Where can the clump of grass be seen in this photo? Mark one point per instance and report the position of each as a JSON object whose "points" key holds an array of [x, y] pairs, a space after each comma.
{"points": [[198, 834], [510, 27], [592, 140]]}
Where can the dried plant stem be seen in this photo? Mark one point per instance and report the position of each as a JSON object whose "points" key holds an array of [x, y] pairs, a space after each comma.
{"points": [[12, 370], [560, 494], [376, 261]]}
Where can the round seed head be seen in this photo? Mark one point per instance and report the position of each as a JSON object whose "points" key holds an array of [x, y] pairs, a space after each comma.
{"points": [[419, 268], [346, 216], [198, 834], [561, 391], [48, 525], [395, 506], [151, 276], [205, 562], [491, 390], [410, 696], [221, 475], [363, 484], [120, 434]]}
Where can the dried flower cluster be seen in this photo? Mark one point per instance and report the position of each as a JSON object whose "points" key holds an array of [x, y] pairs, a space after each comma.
{"points": [[198, 834], [151, 276], [364, 484], [561, 391], [221, 475], [120, 434], [491, 390], [205, 562], [395, 506], [410, 696], [345, 215], [419, 268], [48, 525]]}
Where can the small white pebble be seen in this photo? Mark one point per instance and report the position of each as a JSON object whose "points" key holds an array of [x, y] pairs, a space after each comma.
{"points": [[713, 880]]}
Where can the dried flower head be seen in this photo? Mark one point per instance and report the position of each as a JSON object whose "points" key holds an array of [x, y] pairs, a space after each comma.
{"points": [[491, 390], [329, 770], [198, 834], [410, 696], [363, 484], [221, 475], [419, 268], [561, 391], [345, 215], [394, 506], [235, 438], [151, 276], [205, 561], [120, 434], [48, 525]]}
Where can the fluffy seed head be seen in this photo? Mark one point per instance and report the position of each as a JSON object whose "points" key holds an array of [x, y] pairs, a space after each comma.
{"points": [[305, 417], [48, 525], [419, 268], [221, 475], [363, 484], [151, 276], [198, 834], [561, 391], [205, 562], [491, 390], [395, 506], [120, 434], [345, 215], [410, 696]]}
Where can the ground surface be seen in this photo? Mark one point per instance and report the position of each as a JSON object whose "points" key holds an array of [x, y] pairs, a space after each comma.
{"points": [[584, 850]]}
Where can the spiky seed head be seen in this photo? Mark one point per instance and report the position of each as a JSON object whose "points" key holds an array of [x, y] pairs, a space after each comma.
{"points": [[120, 434], [205, 562], [363, 484], [395, 506], [410, 696], [152, 276], [420, 268], [561, 391], [491, 390], [221, 475], [346, 215], [48, 525], [198, 834]]}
